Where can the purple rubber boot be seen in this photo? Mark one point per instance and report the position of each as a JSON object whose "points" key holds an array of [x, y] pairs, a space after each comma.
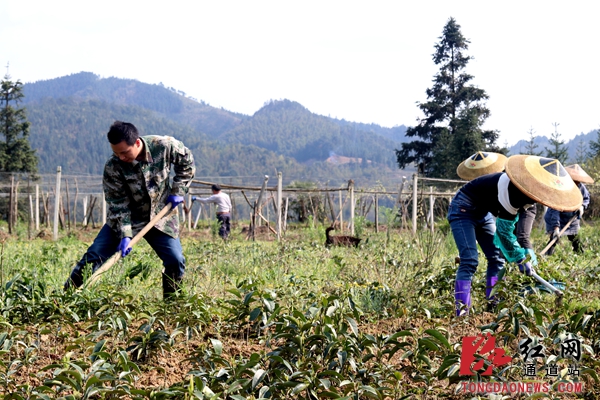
{"points": [[492, 300], [491, 282], [462, 297]]}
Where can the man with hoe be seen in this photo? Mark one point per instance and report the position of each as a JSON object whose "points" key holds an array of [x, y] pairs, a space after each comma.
{"points": [[137, 187]]}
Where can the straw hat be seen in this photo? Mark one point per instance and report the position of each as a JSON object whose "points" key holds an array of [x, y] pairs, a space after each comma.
{"points": [[578, 174], [481, 163], [544, 180]]}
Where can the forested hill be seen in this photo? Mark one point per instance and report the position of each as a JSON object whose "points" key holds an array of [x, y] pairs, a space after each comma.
{"points": [[70, 117], [287, 128], [164, 102]]}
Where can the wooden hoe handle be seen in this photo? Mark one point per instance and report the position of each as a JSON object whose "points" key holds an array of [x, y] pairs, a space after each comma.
{"points": [[559, 235], [117, 256]]}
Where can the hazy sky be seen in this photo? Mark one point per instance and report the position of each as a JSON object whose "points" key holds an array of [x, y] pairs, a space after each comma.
{"points": [[367, 61]]}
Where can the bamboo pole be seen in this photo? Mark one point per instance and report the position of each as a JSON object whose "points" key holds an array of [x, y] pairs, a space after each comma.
{"points": [[10, 204], [46, 203], [431, 203], [341, 213], [84, 205], [56, 202], [30, 217], [37, 208], [279, 197], [103, 209], [287, 201], [75, 204], [16, 203], [68, 206], [189, 212], [376, 214], [197, 216], [414, 210], [351, 222]]}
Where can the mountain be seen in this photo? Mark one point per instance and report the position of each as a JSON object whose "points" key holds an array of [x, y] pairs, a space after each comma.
{"points": [[163, 102], [70, 116], [287, 128]]}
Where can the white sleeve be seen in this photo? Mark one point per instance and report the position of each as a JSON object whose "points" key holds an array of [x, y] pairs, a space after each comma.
{"points": [[210, 199]]}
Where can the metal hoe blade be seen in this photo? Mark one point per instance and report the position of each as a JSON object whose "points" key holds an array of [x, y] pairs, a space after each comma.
{"points": [[559, 294]]}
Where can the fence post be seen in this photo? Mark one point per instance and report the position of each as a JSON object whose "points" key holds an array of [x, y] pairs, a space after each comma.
{"points": [[197, 216], [414, 210], [279, 200], [431, 202], [285, 211], [351, 190], [84, 204], [257, 205], [189, 213], [103, 209], [37, 207], [10, 204], [341, 212], [376, 214], [57, 202]]}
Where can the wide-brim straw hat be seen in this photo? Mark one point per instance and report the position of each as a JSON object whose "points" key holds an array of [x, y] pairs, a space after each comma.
{"points": [[578, 174], [481, 163], [544, 180]]}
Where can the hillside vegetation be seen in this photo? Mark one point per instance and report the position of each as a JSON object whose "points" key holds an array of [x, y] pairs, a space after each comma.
{"points": [[70, 116]]}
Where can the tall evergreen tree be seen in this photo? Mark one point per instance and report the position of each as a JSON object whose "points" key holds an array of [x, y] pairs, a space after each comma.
{"points": [[595, 146], [558, 149], [16, 154], [581, 153], [454, 113], [531, 146]]}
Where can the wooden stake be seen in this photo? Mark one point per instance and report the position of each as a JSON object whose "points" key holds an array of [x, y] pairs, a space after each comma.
{"points": [[10, 204]]}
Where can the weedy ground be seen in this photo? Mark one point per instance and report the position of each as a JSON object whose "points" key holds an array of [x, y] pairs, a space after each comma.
{"points": [[281, 320]]}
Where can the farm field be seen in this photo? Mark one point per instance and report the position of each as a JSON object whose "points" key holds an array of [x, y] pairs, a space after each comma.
{"points": [[289, 320]]}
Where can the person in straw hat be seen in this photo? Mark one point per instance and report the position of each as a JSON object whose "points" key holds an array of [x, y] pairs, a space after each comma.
{"points": [[556, 220], [526, 180], [483, 163]]}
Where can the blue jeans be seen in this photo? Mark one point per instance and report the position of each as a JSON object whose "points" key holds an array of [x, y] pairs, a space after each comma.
{"points": [[105, 245], [470, 228]]}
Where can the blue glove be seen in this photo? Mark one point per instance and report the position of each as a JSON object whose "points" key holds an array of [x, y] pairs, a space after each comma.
{"points": [[175, 200], [124, 246], [194, 198], [533, 257], [525, 268]]}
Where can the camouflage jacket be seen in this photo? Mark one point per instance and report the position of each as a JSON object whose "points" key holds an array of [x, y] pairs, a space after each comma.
{"points": [[136, 192]]}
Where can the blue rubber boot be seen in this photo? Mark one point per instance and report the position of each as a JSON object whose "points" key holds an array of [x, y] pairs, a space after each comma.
{"points": [[462, 297]]}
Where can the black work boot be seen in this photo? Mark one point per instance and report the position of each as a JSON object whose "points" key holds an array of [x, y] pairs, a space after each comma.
{"points": [[577, 246], [74, 281], [170, 285]]}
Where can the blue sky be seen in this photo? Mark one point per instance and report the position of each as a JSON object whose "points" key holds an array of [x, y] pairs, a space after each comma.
{"points": [[362, 61]]}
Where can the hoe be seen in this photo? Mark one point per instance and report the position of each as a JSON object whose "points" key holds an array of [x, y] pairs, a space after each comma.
{"points": [[117, 256]]}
